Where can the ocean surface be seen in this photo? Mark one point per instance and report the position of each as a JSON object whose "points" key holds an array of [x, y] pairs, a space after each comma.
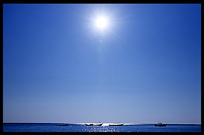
{"points": [[51, 127]]}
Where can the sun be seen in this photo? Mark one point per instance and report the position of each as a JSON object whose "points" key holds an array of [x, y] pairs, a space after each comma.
{"points": [[101, 22]]}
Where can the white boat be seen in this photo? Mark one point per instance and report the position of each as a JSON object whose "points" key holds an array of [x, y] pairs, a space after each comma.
{"points": [[93, 124]]}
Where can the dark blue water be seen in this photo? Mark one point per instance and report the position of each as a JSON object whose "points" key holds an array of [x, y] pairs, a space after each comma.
{"points": [[50, 127]]}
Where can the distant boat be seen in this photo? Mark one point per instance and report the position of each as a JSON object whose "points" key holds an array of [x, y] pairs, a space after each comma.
{"points": [[75, 124], [160, 124], [62, 125], [93, 124], [116, 124]]}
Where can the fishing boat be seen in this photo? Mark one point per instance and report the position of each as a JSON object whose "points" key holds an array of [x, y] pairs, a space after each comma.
{"points": [[93, 124], [116, 124], [160, 124], [62, 125]]}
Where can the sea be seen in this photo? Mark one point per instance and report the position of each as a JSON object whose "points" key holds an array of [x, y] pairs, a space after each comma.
{"points": [[72, 127]]}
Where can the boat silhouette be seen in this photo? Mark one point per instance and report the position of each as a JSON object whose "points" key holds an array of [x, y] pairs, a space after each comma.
{"points": [[116, 124], [62, 125], [160, 124], [93, 124]]}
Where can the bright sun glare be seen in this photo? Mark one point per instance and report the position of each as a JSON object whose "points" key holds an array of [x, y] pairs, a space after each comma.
{"points": [[101, 22]]}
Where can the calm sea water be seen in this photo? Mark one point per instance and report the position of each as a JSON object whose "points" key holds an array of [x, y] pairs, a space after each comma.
{"points": [[50, 127]]}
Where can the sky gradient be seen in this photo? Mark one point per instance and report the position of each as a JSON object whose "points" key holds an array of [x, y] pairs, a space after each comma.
{"points": [[144, 68]]}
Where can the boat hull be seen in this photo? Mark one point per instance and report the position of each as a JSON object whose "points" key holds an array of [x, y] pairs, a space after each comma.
{"points": [[115, 124], [160, 125], [94, 124], [62, 125]]}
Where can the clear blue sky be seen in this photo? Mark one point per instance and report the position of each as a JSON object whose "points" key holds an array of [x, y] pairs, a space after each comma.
{"points": [[144, 67]]}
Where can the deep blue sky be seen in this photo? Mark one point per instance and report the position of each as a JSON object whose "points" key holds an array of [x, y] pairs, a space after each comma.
{"points": [[144, 68]]}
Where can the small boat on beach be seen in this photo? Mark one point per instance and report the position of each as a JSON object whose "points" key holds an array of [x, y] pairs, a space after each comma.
{"points": [[93, 124], [62, 125], [116, 124], [160, 124]]}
